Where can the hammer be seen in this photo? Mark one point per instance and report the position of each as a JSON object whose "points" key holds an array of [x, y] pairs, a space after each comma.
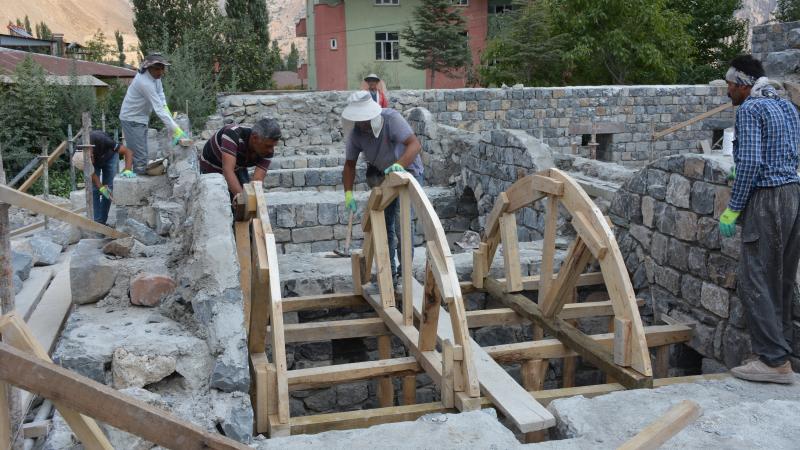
{"points": [[346, 252]]}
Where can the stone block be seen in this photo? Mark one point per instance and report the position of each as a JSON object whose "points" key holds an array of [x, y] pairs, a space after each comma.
{"points": [[668, 278], [691, 289], [328, 213], [685, 225], [351, 394], [722, 270], [322, 400], [129, 369], [721, 198], [658, 248], [42, 251], [148, 289], [779, 64], [708, 233], [141, 232], [703, 197], [21, 264], [694, 167], [665, 222], [696, 262], [119, 247], [737, 314], [237, 421], [312, 234], [715, 299], [91, 273], [16, 282], [678, 191], [140, 190], [678, 254], [641, 234]]}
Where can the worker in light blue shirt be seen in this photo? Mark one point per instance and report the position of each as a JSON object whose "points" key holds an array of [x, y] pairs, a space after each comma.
{"points": [[766, 193], [145, 95]]}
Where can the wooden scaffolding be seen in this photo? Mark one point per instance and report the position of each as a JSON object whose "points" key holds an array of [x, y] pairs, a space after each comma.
{"points": [[431, 319]]}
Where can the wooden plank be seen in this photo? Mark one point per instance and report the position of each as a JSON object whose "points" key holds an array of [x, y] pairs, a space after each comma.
{"points": [[334, 329], [507, 316], [529, 189], [447, 389], [93, 399], [22, 341], [661, 367], [385, 387], [532, 283], [493, 220], [319, 377], [32, 290], [242, 233], [356, 268], [380, 243], [429, 318], [588, 235], [585, 346], [495, 382], [28, 228], [5, 416], [258, 364], [262, 213], [323, 301], [622, 341], [277, 333], [548, 248], [50, 160], [508, 235], [479, 269], [578, 256], [29, 202], [410, 389], [368, 255], [406, 242], [47, 320], [665, 427], [694, 119], [259, 311], [33, 430]]}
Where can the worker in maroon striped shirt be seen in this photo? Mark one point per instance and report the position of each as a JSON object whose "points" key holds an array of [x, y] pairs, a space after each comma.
{"points": [[235, 148]]}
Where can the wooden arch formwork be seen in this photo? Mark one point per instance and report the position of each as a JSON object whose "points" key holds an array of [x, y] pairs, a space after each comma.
{"points": [[431, 320]]}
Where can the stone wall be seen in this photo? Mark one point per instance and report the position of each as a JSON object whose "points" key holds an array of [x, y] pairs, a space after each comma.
{"points": [[773, 37], [667, 228], [560, 116]]}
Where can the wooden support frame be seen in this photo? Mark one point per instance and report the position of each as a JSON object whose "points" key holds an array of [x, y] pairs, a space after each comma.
{"points": [[665, 427]]}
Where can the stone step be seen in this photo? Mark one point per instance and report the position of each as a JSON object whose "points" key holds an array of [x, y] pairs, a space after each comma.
{"points": [[307, 161], [319, 179], [311, 221]]}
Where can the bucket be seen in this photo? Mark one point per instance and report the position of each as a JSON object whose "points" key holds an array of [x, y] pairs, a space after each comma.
{"points": [[727, 141]]}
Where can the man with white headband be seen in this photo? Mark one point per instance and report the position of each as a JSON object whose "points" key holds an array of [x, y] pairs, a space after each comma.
{"points": [[766, 193], [388, 144]]}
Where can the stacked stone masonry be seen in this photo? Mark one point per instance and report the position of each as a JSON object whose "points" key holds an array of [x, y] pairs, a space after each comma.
{"points": [[667, 228], [774, 37]]}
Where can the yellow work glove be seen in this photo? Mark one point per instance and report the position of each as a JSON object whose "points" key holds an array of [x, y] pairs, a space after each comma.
{"points": [[177, 135], [350, 202], [727, 222], [105, 192], [394, 168], [128, 173]]}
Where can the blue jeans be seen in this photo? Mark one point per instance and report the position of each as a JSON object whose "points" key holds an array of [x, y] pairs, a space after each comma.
{"points": [[106, 173], [393, 232]]}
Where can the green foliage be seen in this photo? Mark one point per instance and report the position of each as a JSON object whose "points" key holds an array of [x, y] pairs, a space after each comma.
{"points": [[438, 39], [43, 31], [58, 180], [254, 12], [275, 58], [162, 24], [97, 49], [292, 61], [622, 41], [524, 50], [120, 48], [189, 82], [787, 10], [28, 25], [111, 103], [717, 34]]}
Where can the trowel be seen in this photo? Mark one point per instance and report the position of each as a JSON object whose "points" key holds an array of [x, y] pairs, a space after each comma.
{"points": [[346, 252]]}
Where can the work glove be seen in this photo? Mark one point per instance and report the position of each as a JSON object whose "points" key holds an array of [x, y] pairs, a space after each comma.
{"points": [[727, 222], [128, 173], [350, 202], [732, 174], [177, 135], [394, 168], [105, 192]]}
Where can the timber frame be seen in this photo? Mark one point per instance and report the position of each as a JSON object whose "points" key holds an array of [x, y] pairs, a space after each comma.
{"points": [[431, 319]]}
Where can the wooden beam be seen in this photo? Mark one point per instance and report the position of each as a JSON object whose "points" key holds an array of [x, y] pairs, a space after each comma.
{"points": [[585, 346], [50, 160], [260, 391], [507, 316], [33, 430], [493, 221], [511, 261], [106, 404], [560, 291], [29, 202], [323, 301], [429, 317], [694, 119], [530, 189], [385, 392], [588, 235], [319, 377], [262, 213], [334, 329], [278, 344], [380, 242], [665, 427], [242, 233], [532, 283], [259, 311], [406, 260], [28, 228]]}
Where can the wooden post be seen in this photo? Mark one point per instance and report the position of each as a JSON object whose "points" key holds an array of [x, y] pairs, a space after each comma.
{"points": [[409, 390], [103, 122], [71, 153], [9, 403], [46, 182], [86, 120], [385, 387]]}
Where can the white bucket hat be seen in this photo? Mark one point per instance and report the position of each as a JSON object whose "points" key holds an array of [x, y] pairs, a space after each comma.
{"points": [[361, 108]]}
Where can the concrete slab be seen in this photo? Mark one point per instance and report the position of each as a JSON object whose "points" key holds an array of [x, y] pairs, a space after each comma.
{"points": [[736, 415]]}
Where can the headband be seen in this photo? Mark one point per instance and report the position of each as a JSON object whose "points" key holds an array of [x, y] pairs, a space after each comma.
{"points": [[738, 77]]}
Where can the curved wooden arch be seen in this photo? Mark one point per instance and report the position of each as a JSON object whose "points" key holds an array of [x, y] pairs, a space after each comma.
{"points": [[594, 240]]}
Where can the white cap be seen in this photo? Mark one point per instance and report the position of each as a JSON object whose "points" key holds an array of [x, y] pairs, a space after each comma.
{"points": [[360, 107]]}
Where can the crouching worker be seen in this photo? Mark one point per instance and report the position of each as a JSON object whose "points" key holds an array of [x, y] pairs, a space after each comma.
{"points": [[235, 148], [104, 156]]}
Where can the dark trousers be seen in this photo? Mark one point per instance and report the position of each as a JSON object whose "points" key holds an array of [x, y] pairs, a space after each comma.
{"points": [[106, 173], [767, 269]]}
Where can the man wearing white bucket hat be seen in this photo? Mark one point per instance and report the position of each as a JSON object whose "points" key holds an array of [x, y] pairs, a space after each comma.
{"points": [[766, 192], [387, 143]]}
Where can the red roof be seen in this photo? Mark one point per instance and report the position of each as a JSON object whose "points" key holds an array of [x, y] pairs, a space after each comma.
{"points": [[55, 65]]}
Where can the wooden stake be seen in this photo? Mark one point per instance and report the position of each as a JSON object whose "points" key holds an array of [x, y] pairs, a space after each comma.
{"points": [[86, 131], [409, 390], [385, 387], [661, 369], [665, 427], [406, 245], [9, 400]]}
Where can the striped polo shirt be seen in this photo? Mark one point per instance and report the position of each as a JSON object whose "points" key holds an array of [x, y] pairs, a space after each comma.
{"points": [[233, 140]]}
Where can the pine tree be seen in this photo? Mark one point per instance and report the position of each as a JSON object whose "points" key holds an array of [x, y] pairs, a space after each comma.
{"points": [[717, 34], [161, 24], [787, 10], [438, 39], [255, 13], [275, 56], [292, 61], [120, 48], [97, 49], [28, 25]]}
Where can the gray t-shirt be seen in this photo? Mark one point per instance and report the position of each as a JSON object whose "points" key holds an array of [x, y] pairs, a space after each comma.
{"points": [[387, 148]]}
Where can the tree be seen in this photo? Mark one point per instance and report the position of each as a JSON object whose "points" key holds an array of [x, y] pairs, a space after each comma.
{"points": [[717, 34], [120, 48], [525, 49], [254, 12], [97, 49], [787, 10], [43, 31], [28, 25], [622, 41], [190, 83], [438, 42], [161, 24], [293, 60], [276, 60]]}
